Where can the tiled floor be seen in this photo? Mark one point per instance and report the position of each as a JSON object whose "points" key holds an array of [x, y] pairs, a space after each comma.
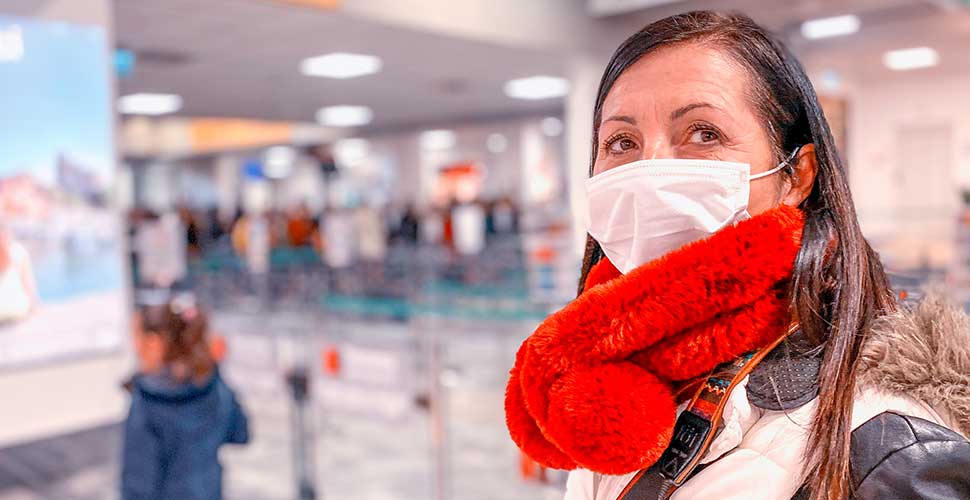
{"points": [[363, 451]]}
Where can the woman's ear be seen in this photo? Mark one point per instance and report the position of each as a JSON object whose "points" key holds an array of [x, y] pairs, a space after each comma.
{"points": [[802, 180]]}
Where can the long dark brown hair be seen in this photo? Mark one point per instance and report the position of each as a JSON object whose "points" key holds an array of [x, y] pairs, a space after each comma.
{"points": [[183, 330], [839, 286]]}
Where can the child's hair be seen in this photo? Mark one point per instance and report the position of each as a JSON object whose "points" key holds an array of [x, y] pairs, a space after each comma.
{"points": [[183, 328]]}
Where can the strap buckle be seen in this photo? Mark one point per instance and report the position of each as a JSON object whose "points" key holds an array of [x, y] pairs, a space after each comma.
{"points": [[690, 434]]}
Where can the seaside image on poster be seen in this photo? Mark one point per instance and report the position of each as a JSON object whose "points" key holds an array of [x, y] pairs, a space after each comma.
{"points": [[62, 286]]}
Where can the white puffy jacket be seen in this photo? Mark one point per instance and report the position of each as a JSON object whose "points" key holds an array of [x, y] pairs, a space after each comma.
{"points": [[917, 365]]}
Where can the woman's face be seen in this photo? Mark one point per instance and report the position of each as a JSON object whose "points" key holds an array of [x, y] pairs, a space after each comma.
{"points": [[688, 101]]}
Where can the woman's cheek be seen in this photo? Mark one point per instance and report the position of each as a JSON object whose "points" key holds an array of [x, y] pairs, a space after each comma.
{"points": [[765, 195]]}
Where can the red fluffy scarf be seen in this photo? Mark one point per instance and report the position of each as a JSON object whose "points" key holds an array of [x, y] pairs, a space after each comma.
{"points": [[592, 387]]}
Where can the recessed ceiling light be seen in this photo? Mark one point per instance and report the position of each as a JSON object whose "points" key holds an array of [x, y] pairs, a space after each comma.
{"points": [[913, 58], [830, 26], [340, 65], [496, 143], [344, 116], [436, 140], [537, 87], [149, 104], [551, 126]]}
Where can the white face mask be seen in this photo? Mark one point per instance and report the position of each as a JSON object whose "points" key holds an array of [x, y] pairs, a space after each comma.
{"points": [[645, 209]]}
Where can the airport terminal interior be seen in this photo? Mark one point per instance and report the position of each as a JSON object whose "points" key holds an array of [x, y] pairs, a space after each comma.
{"points": [[373, 203]]}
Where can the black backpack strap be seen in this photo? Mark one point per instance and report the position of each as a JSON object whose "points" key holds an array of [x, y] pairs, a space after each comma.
{"points": [[695, 430]]}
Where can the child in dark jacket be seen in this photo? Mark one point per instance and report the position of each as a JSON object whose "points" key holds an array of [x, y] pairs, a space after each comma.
{"points": [[182, 411]]}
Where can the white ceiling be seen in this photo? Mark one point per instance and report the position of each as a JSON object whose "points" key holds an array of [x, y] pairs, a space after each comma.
{"points": [[241, 57]]}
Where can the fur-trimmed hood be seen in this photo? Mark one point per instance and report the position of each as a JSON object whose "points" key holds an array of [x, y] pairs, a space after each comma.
{"points": [[923, 351]]}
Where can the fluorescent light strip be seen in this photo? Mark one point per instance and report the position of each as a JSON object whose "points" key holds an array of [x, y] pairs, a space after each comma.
{"points": [[344, 116], [149, 104], [437, 140], [913, 58], [341, 65], [537, 87], [830, 26]]}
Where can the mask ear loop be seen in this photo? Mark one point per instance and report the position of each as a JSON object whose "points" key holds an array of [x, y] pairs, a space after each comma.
{"points": [[779, 167]]}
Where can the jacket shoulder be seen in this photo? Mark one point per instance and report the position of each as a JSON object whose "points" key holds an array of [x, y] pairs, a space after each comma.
{"points": [[901, 456]]}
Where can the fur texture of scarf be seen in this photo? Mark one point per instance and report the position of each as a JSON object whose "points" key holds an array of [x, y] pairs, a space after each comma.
{"points": [[592, 386]]}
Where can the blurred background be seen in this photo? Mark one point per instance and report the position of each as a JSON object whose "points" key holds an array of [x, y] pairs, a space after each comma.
{"points": [[376, 201]]}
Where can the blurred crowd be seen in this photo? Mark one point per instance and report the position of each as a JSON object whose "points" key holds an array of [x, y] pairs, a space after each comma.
{"points": [[164, 245]]}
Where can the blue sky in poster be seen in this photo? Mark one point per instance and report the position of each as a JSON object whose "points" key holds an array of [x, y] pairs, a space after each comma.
{"points": [[56, 100]]}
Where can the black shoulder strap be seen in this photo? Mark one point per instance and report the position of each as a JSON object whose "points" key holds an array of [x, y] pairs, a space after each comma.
{"points": [[695, 430]]}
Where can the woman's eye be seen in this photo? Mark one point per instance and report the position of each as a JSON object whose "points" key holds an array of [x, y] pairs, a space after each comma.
{"points": [[621, 145], [703, 137]]}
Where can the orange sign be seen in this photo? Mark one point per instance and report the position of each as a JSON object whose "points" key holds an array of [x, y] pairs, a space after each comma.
{"points": [[220, 134]]}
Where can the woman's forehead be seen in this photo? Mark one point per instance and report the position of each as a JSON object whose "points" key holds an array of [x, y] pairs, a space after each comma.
{"points": [[672, 77]]}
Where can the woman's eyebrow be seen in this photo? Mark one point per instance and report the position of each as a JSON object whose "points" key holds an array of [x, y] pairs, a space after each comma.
{"points": [[621, 118], [683, 110]]}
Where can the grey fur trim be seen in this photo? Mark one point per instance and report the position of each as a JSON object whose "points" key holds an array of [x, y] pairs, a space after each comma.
{"points": [[923, 351]]}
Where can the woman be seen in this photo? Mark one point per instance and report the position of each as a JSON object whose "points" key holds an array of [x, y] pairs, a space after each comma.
{"points": [[722, 208]]}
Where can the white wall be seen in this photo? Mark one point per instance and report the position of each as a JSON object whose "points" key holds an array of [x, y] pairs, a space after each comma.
{"points": [[897, 193], [585, 72], [68, 396]]}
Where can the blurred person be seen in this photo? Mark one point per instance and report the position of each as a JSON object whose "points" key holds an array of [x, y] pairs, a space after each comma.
{"points": [[371, 233], [317, 238], [227, 222], [160, 245], [239, 234], [339, 242], [448, 225], [193, 232], [406, 225], [279, 227], [468, 228], [300, 226], [339, 238], [371, 242], [504, 216], [252, 239], [215, 229], [181, 412], [18, 290], [432, 225], [722, 235], [410, 228]]}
